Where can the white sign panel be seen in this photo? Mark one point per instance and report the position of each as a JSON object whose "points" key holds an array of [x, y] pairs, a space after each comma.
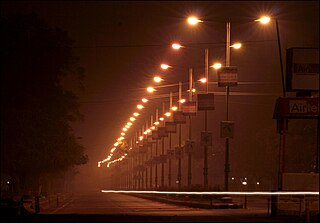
{"points": [[302, 69], [227, 76]]}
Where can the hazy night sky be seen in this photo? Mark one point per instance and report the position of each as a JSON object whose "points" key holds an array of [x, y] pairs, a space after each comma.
{"points": [[122, 43]]}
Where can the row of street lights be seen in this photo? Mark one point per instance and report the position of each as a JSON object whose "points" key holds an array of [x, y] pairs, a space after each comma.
{"points": [[195, 21]]}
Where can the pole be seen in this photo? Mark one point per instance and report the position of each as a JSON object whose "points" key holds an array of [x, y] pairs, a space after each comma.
{"points": [[162, 151], [179, 161], [190, 127], [150, 185], [227, 165], [205, 160], [146, 181], [170, 147], [156, 170], [283, 134]]}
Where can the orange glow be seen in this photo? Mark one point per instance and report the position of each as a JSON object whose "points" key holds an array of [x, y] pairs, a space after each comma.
{"points": [[263, 19], [236, 45], [216, 66], [176, 46], [164, 66], [203, 80], [157, 79], [132, 118], [139, 107], [193, 20], [174, 108], [150, 89]]}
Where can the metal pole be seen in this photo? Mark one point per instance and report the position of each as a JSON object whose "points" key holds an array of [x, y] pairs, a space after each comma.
{"points": [[170, 147], [150, 179], [162, 151], [280, 57], [283, 134], [146, 181], [179, 161], [156, 169], [227, 166], [190, 127], [205, 160]]}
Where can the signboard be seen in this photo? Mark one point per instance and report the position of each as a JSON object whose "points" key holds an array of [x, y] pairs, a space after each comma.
{"points": [[226, 129], [189, 147], [170, 153], [171, 127], [162, 132], [302, 69], [189, 108], [143, 149], [295, 107], [155, 135], [178, 152], [179, 118], [150, 140], [163, 158], [206, 101], [206, 139], [228, 76]]}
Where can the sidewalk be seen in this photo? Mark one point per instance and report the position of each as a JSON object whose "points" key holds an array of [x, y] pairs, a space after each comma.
{"points": [[205, 202]]}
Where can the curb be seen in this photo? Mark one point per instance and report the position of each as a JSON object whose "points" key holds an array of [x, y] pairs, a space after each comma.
{"points": [[195, 204]]}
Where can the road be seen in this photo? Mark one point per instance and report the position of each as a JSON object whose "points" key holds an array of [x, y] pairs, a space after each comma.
{"points": [[108, 207]]}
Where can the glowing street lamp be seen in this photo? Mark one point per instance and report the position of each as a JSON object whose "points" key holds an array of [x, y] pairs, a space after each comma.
{"points": [[165, 66], [157, 79], [140, 106], [150, 89], [193, 20], [176, 46]]}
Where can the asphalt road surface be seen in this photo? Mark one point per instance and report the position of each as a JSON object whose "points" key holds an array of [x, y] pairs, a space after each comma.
{"points": [[108, 207]]}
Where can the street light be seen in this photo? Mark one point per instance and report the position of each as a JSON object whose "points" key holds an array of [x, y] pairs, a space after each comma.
{"points": [[265, 20]]}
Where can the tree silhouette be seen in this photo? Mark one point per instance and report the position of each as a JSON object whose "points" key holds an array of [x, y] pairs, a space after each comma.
{"points": [[36, 137]]}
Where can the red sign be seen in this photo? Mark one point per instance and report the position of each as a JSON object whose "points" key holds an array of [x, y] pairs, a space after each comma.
{"points": [[179, 118], [189, 108], [296, 107]]}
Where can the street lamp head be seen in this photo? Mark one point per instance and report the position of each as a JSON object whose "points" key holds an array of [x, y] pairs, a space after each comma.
{"points": [[216, 66], [236, 45], [164, 66], [176, 46], [174, 108], [144, 100], [150, 89], [263, 19], [193, 20], [157, 79], [203, 80], [140, 106]]}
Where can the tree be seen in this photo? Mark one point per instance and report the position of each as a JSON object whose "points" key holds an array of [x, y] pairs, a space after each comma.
{"points": [[36, 137]]}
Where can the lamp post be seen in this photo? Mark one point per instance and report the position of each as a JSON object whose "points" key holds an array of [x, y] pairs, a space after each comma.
{"points": [[193, 21], [227, 165], [282, 137]]}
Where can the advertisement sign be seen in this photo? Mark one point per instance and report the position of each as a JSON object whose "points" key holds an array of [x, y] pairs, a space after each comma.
{"points": [[296, 107], [171, 127], [205, 101], [189, 108], [155, 135], [179, 118], [162, 132], [228, 76], [302, 69]]}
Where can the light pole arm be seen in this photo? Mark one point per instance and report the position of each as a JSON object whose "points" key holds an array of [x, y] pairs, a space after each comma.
{"points": [[280, 57]]}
